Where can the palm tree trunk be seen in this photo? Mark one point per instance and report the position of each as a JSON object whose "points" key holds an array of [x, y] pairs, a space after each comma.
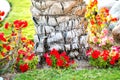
{"points": [[59, 25]]}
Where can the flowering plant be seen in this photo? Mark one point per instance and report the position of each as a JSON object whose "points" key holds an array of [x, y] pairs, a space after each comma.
{"points": [[102, 40], [26, 60], [103, 52], [105, 58], [16, 47], [2, 13], [56, 59], [98, 21]]}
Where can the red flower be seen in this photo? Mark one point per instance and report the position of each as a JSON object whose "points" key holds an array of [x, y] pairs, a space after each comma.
{"points": [[2, 38], [31, 56], [114, 59], [88, 51], [49, 61], [2, 13], [105, 55], [24, 67], [20, 24], [25, 24], [114, 19], [63, 54], [95, 54], [8, 48], [6, 25], [95, 2], [30, 42], [22, 52], [67, 58], [92, 22], [3, 54], [99, 22], [112, 62], [46, 55], [23, 39], [67, 65], [13, 33], [55, 53], [106, 10], [60, 63]]}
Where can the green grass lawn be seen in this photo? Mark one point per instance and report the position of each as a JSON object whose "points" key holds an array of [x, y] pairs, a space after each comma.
{"points": [[52, 74], [21, 10]]}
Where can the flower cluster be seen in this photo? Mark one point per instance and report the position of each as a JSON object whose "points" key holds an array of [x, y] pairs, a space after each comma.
{"points": [[20, 24], [26, 59], [56, 59], [97, 21], [2, 13], [4, 45], [102, 40], [104, 58], [17, 46]]}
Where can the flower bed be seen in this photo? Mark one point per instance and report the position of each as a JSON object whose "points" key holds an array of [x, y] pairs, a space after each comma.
{"points": [[16, 51], [58, 60], [103, 52]]}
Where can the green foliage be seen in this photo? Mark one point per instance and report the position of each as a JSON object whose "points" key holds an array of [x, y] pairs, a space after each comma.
{"points": [[33, 63], [70, 74], [100, 63]]}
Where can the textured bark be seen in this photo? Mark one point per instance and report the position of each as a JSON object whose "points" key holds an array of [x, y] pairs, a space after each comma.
{"points": [[59, 24], [116, 33]]}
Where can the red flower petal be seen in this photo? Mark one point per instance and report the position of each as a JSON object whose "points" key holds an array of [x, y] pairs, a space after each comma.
{"points": [[2, 38], [55, 53], [60, 63], [95, 54], [24, 67], [23, 39], [112, 62], [6, 25], [49, 61], [8, 48], [31, 56], [22, 52]]}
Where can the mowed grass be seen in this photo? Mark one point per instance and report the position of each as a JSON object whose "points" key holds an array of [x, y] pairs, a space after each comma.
{"points": [[20, 10], [53, 74]]}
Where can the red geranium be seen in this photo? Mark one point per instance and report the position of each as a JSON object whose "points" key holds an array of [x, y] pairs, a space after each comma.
{"points": [[114, 19], [8, 48], [3, 54], [55, 53], [105, 55], [6, 25], [56, 59], [49, 61], [112, 62], [60, 63], [22, 52], [20, 24], [95, 54], [2, 13], [31, 56], [2, 38], [24, 67], [23, 39]]}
